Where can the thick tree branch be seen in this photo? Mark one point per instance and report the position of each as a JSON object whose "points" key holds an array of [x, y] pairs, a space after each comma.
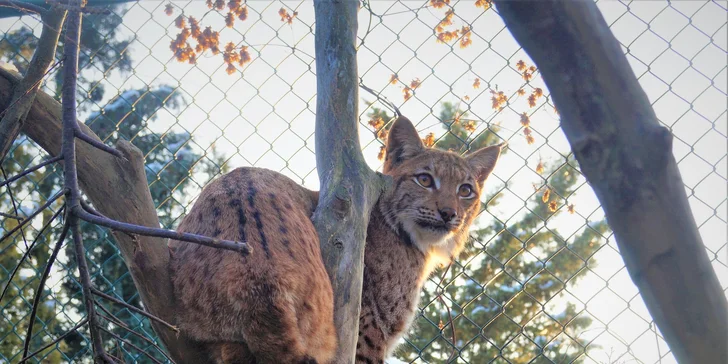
{"points": [[118, 189], [349, 189], [627, 158], [13, 116]]}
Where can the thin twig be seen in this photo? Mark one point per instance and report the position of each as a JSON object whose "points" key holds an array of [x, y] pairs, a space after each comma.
{"points": [[150, 342], [162, 233], [11, 216], [96, 144], [449, 313], [34, 214], [111, 318], [5, 73], [56, 341], [22, 6], [86, 287], [86, 10], [15, 207], [118, 322], [86, 206], [27, 251], [117, 337], [32, 169], [382, 99], [41, 286], [137, 310]]}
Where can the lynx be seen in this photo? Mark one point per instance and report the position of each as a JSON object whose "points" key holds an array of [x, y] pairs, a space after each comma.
{"points": [[276, 304]]}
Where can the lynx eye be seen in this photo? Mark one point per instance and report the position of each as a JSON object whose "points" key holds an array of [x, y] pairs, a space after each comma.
{"points": [[424, 180], [465, 191]]}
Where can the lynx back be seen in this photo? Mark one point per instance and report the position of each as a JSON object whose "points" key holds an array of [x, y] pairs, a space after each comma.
{"points": [[272, 306]]}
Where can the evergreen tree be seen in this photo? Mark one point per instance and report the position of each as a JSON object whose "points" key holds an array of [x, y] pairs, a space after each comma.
{"points": [[100, 50]]}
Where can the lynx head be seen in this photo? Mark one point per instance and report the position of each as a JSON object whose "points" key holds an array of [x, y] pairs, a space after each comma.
{"points": [[436, 194]]}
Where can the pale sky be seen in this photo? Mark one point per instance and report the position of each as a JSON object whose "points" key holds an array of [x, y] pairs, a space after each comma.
{"points": [[264, 115]]}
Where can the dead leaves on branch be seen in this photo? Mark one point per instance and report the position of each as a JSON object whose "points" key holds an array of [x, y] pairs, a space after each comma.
{"points": [[407, 89], [286, 17], [208, 39], [446, 32]]}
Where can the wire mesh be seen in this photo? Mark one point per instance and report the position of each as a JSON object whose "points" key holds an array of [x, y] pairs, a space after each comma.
{"points": [[542, 280]]}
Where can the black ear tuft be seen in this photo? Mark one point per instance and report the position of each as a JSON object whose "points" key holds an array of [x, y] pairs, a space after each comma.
{"points": [[484, 160], [403, 143]]}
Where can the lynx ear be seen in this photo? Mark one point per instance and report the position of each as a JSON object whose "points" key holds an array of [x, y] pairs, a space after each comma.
{"points": [[483, 161], [403, 143]]}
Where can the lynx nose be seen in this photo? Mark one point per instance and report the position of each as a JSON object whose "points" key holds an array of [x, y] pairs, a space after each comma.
{"points": [[448, 214]]}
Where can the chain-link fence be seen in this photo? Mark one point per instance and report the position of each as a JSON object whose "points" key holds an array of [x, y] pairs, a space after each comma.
{"points": [[542, 280]]}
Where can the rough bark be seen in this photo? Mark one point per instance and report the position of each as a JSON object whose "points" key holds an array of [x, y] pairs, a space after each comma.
{"points": [[627, 158], [349, 188], [24, 92], [118, 189]]}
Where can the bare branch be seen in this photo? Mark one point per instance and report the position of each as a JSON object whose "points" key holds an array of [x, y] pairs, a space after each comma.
{"points": [[15, 206], [68, 149], [242, 248], [41, 286], [117, 337], [27, 251], [56, 341], [383, 99], [86, 206], [31, 170], [627, 158], [113, 319], [95, 143], [137, 310], [86, 285], [150, 342], [11, 216], [24, 92], [33, 215]]}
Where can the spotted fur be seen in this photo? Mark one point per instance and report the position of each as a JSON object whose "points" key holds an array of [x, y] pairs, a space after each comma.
{"points": [[276, 305], [272, 306], [408, 234]]}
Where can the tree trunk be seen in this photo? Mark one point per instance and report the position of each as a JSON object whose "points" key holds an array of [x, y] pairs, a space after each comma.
{"points": [[118, 189], [627, 158], [349, 189]]}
